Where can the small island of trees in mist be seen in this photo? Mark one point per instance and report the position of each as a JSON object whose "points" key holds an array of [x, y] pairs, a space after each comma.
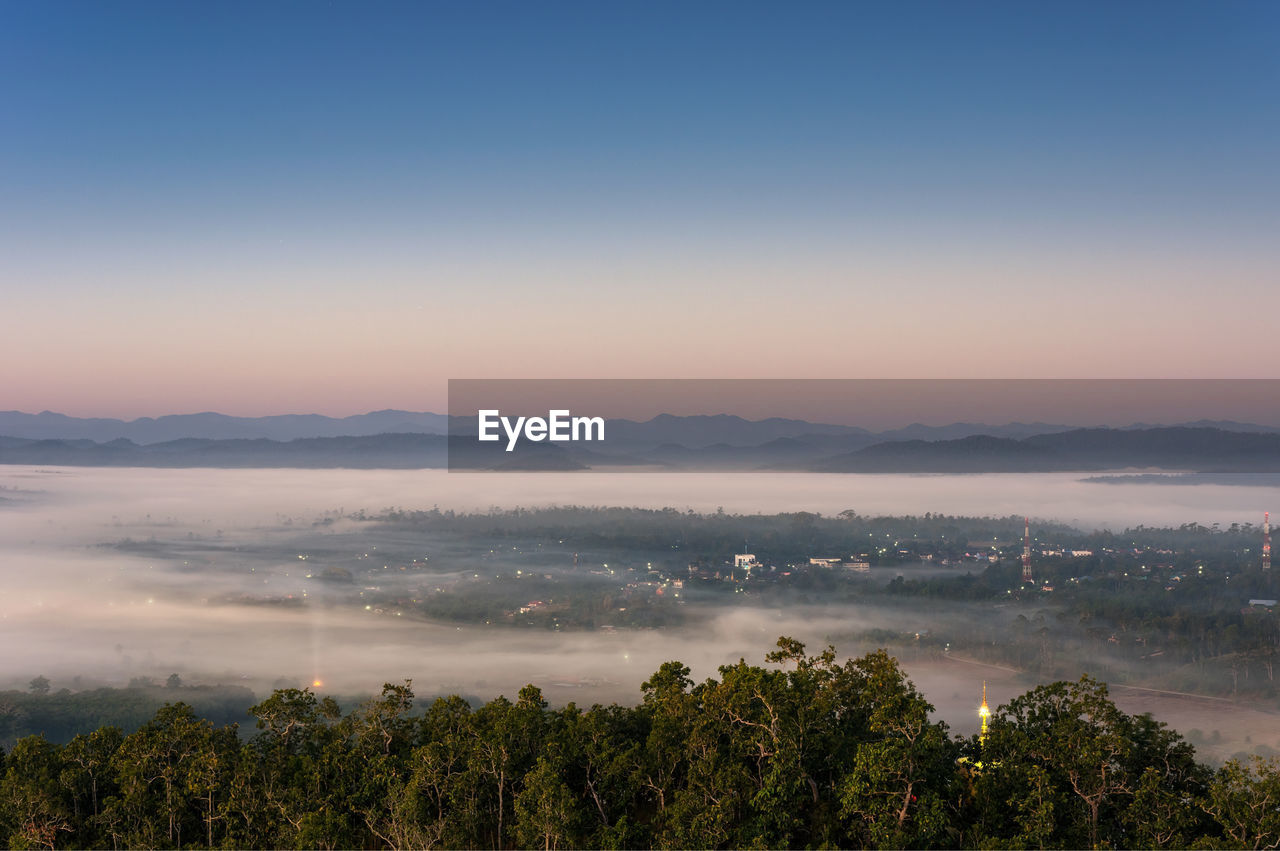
{"points": [[807, 752]]}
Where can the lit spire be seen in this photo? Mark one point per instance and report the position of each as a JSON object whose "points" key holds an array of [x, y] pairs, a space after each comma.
{"points": [[984, 712]]}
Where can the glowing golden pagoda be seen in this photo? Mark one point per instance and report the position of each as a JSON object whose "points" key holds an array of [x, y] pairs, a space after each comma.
{"points": [[984, 712]]}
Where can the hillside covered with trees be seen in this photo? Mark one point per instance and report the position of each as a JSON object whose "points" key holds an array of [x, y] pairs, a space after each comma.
{"points": [[806, 752]]}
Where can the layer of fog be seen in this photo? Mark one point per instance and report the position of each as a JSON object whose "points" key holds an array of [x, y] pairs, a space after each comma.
{"points": [[89, 499]]}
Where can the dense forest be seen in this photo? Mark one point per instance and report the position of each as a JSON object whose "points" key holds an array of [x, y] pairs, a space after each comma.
{"points": [[62, 714], [807, 751]]}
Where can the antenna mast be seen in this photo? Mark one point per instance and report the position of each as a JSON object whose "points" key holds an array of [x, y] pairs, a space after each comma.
{"points": [[1026, 551], [1266, 541]]}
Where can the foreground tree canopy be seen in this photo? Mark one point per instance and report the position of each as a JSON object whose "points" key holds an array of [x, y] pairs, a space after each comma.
{"points": [[807, 752]]}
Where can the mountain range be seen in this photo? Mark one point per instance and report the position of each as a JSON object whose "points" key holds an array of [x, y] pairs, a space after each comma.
{"points": [[1201, 449], [407, 440], [47, 425], [690, 431]]}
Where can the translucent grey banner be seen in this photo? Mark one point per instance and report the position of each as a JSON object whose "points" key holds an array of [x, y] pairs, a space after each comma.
{"points": [[1186, 427]]}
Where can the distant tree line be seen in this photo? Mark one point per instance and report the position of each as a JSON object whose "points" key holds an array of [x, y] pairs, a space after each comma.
{"points": [[784, 535], [716, 536], [62, 714], [807, 752]]}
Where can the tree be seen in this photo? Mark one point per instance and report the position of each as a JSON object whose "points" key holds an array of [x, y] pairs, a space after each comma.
{"points": [[381, 734], [39, 685], [508, 738], [1100, 775], [279, 781], [599, 751], [545, 808], [669, 711], [896, 793], [168, 776], [87, 773], [1244, 798], [33, 806]]}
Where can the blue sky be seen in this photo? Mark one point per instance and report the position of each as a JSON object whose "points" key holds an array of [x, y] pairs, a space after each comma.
{"points": [[264, 192]]}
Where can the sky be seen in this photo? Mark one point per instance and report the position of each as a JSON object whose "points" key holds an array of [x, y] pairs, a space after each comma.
{"points": [[264, 208]]}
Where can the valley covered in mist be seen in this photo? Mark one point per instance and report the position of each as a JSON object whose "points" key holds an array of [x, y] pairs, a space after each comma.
{"points": [[476, 584]]}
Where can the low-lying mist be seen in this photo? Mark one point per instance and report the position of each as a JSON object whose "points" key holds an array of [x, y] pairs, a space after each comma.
{"points": [[259, 578]]}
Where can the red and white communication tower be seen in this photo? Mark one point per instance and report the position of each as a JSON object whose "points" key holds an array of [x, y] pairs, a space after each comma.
{"points": [[1266, 541], [1026, 551]]}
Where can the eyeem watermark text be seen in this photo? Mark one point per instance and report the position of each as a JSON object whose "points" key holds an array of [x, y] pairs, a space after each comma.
{"points": [[559, 425]]}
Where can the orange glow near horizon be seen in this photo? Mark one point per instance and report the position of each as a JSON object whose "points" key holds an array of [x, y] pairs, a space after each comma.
{"points": [[329, 350]]}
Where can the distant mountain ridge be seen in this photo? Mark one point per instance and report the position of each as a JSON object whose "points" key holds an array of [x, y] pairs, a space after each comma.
{"points": [[384, 451], [1198, 449], [213, 426], [692, 433]]}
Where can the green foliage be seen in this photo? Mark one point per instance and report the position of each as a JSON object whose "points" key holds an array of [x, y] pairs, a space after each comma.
{"points": [[809, 751], [1244, 800], [1077, 772], [61, 716]]}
